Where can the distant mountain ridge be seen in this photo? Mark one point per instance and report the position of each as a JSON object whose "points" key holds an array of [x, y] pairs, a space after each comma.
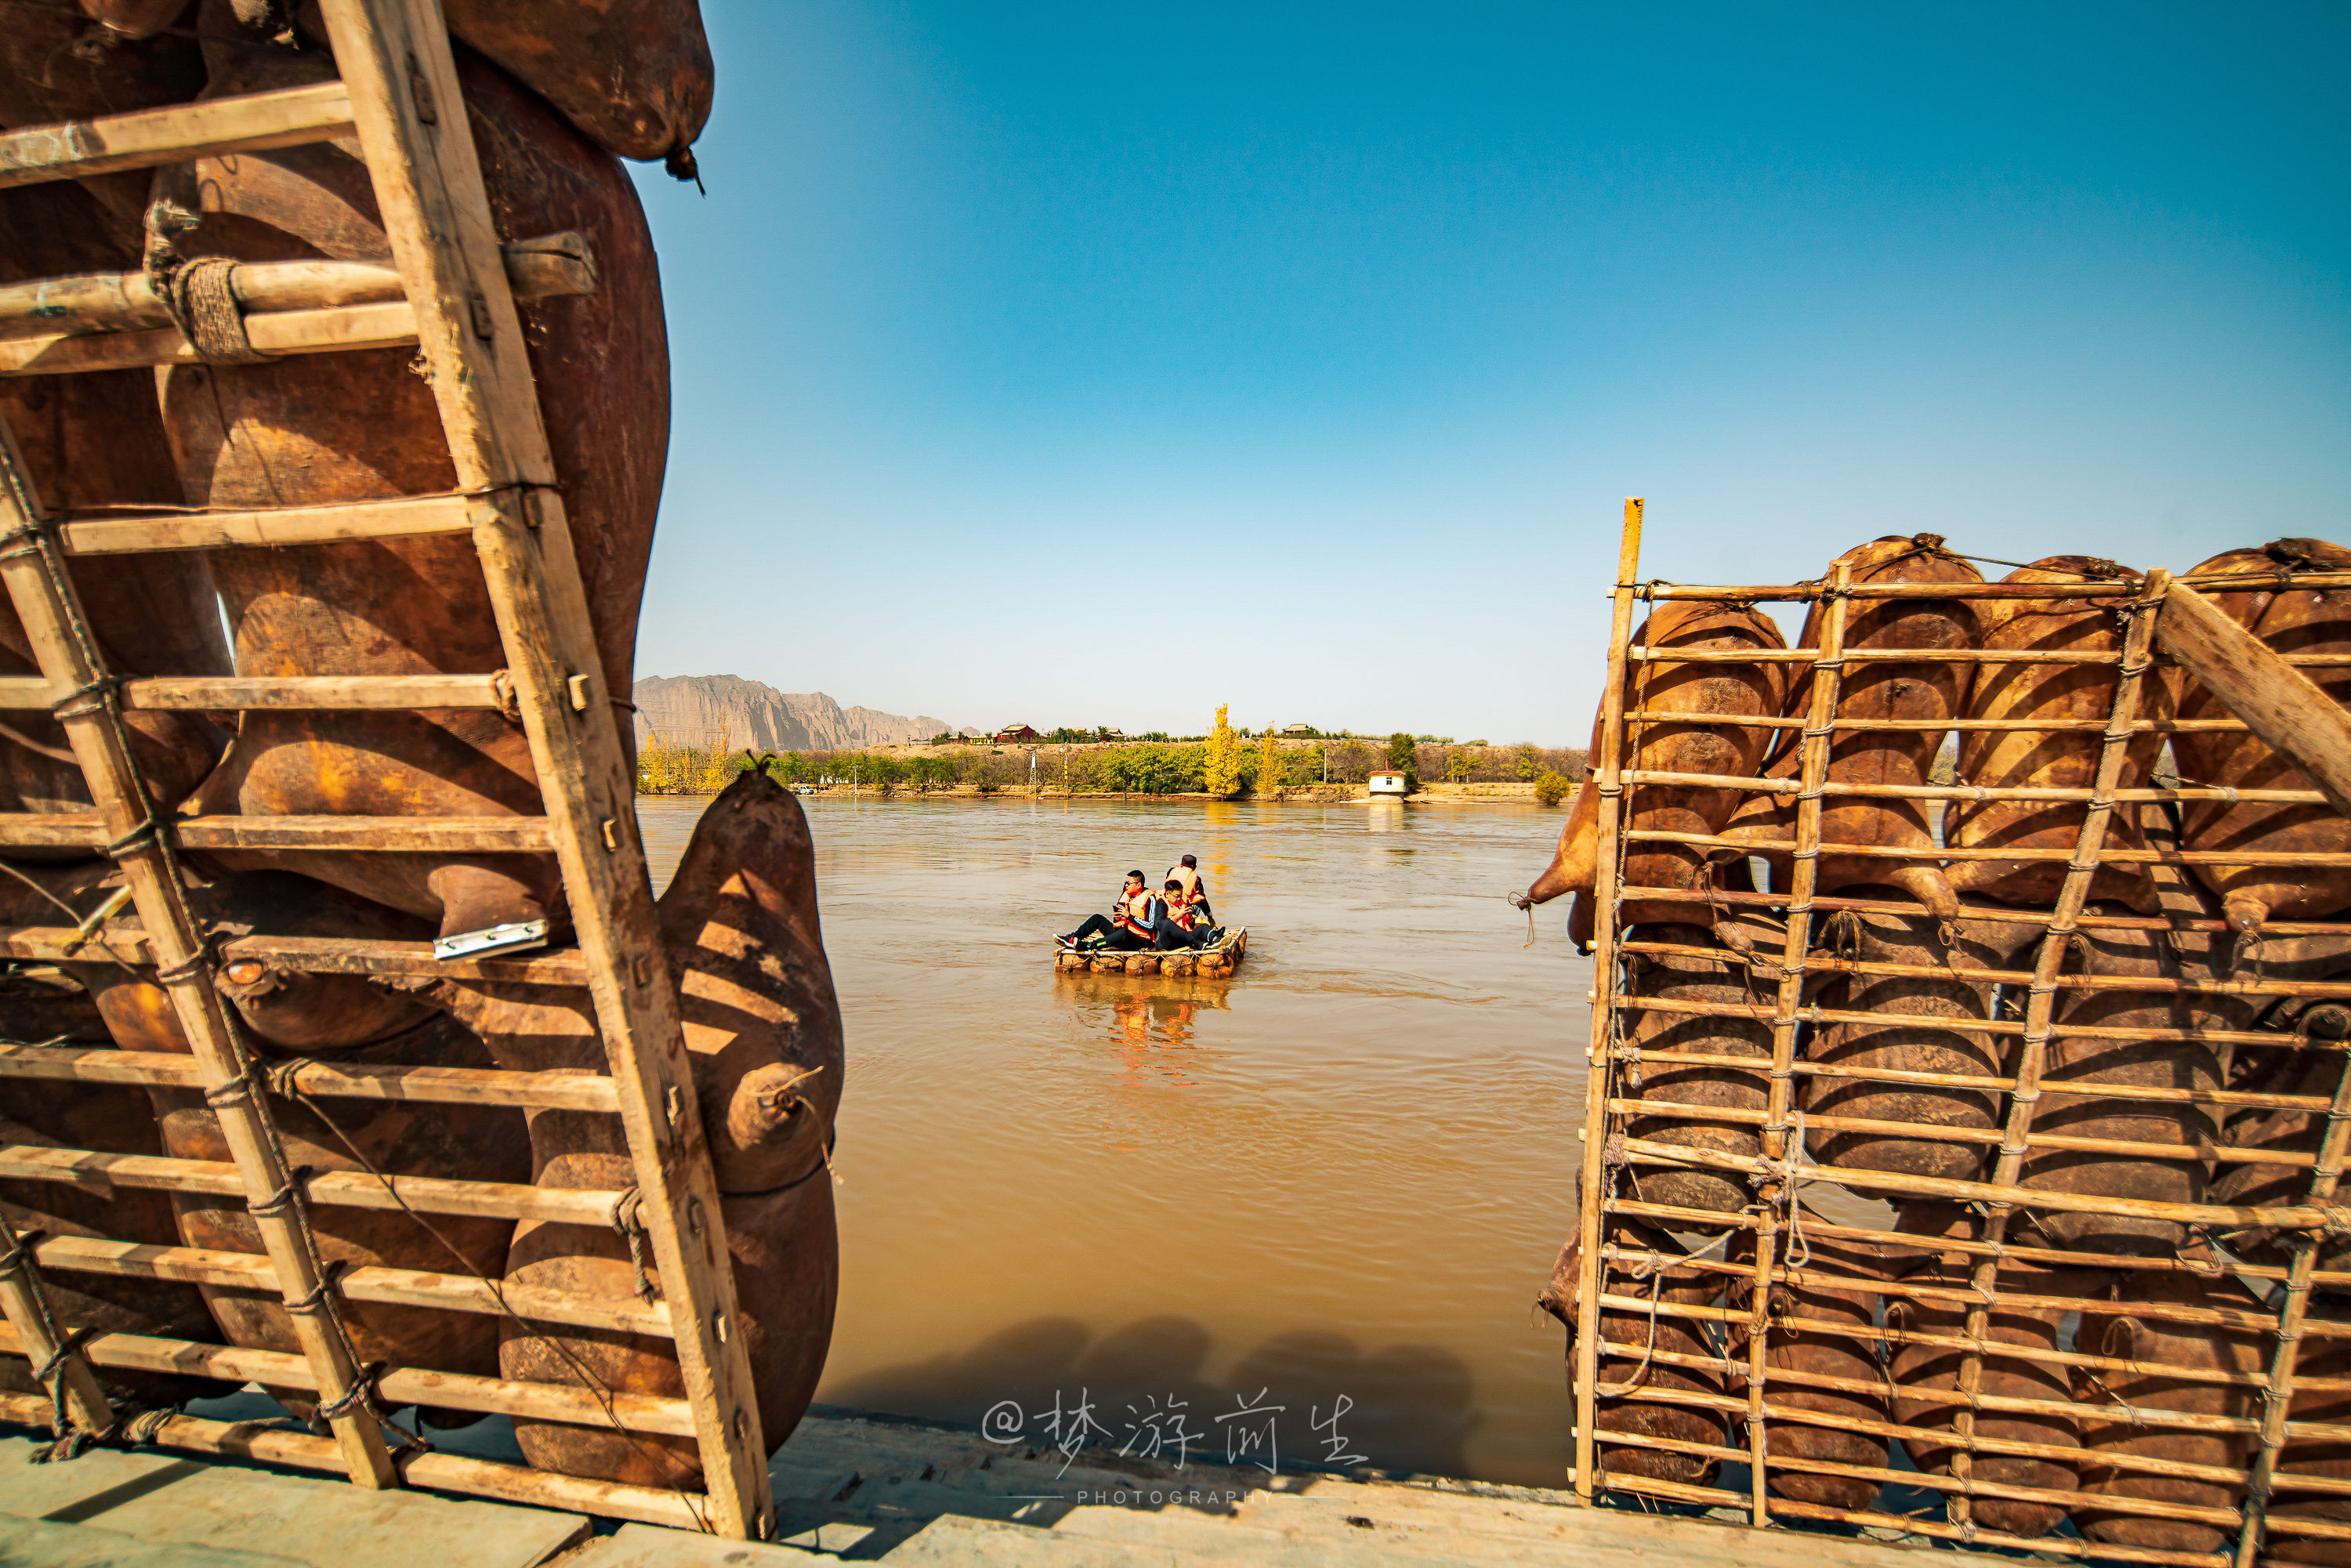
{"points": [[695, 709]]}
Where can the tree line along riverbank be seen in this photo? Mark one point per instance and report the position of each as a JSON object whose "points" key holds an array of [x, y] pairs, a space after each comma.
{"points": [[1261, 766]]}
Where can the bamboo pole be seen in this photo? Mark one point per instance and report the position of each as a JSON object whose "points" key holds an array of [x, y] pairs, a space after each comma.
{"points": [[1819, 963], [1828, 684], [2300, 1217], [1887, 851], [2326, 1174], [1805, 592], [1933, 1132], [1639, 653], [1986, 914], [1975, 792], [127, 301], [1818, 1015], [79, 1403], [1598, 1056], [1988, 726]]}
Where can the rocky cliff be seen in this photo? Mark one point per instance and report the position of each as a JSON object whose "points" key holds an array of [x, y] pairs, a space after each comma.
{"points": [[693, 710]]}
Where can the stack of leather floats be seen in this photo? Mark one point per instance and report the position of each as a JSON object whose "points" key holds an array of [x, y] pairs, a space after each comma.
{"points": [[1968, 1065], [465, 1177]]}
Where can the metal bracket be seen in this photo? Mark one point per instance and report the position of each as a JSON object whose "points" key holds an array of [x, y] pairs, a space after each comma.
{"points": [[511, 937]]}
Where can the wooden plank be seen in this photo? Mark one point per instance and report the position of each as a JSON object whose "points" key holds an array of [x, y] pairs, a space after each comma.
{"points": [[63, 646], [540, 268], [431, 835], [339, 956], [322, 692], [400, 1287], [227, 693], [429, 188], [580, 1092], [91, 533], [249, 122], [247, 1443], [402, 1386], [348, 1189], [335, 329], [2277, 703], [315, 955]]}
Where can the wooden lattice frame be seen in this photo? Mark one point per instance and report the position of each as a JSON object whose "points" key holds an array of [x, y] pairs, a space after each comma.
{"points": [[458, 306], [2254, 684]]}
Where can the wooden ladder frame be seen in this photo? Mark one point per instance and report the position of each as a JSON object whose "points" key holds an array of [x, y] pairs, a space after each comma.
{"points": [[400, 95], [2265, 693]]}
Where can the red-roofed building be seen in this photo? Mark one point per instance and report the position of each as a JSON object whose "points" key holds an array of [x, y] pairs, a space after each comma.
{"points": [[1013, 731]]}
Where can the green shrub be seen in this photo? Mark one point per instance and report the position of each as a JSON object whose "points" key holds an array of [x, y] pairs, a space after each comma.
{"points": [[1552, 786]]}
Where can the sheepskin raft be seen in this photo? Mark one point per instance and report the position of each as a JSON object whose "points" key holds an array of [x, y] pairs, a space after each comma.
{"points": [[1213, 963]]}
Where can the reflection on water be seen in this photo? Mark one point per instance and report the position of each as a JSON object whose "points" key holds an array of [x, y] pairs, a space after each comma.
{"points": [[1312, 1203]]}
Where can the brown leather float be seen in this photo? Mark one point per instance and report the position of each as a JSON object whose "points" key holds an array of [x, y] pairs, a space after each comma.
{"points": [[2290, 620], [1877, 690], [1626, 1372], [1837, 1435], [2050, 759], [349, 427]]}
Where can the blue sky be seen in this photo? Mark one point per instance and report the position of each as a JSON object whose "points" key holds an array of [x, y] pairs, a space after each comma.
{"points": [[1103, 363]]}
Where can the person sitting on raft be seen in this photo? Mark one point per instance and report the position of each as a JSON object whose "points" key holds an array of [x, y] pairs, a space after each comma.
{"points": [[1187, 923], [1138, 919], [1132, 923], [1186, 875]]}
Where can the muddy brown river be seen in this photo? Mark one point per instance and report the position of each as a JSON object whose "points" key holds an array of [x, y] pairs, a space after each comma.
{"points": [[1227, 1212]]}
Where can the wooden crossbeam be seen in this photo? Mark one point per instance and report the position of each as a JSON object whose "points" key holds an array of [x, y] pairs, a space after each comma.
{"points": [[419, 1085], [397, 1287], [348, 1189], [250, 122]]}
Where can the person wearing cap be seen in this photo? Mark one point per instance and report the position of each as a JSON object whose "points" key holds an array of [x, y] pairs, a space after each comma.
{"points": [[1186, 874]]}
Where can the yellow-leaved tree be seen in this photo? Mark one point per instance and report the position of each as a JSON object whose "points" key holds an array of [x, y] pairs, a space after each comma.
{"points": [[713, 775], [1223, 763], [1268, 763]]}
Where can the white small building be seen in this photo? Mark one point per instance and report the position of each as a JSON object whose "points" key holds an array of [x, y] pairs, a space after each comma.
{"points": [[1392, 784]]}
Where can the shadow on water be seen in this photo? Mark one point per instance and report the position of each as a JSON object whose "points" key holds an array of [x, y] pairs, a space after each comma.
{"points": [[1318, 1397]]}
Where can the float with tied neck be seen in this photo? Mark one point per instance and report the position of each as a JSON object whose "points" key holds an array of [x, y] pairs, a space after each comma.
{"points": [[368, 1066], [2008, 1119]]}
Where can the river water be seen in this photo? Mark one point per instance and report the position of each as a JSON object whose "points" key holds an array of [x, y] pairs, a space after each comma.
{"points": [[1309, 1206]]}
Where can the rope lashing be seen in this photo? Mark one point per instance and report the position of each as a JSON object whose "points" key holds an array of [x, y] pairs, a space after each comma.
{"points": [[201, 298], [629, 1224]]}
